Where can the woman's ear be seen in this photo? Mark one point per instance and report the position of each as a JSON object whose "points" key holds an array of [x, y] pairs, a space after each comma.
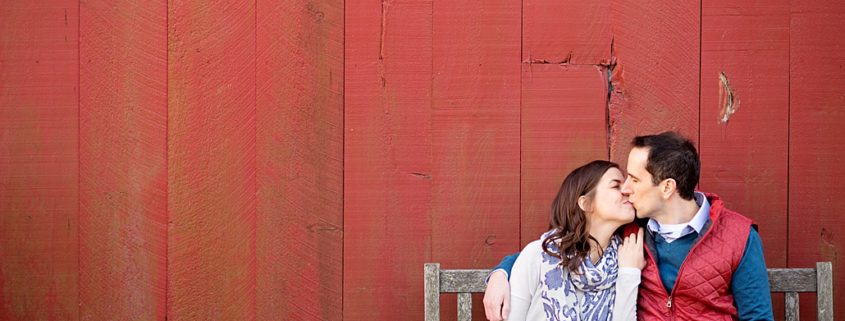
{"points": [[584, 203]]}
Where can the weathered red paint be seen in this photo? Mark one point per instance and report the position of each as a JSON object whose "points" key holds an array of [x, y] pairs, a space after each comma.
{"points": [[474, 135], [39, 160], [211, 267], [122, 160], [387, 158], [299, 245], [816, 143], [656, 46], [563, 126], [744, 156], [575, 32]]}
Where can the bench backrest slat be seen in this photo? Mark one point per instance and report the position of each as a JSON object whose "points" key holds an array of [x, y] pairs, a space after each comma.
{"points": [[792, 280], [789, 281]]}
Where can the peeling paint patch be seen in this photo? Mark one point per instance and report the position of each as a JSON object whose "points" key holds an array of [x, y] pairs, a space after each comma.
{"points": [[616, 100], [322, 227], [728, 99], [384, 6], [827, 246], [422, 175], [537, 61]]}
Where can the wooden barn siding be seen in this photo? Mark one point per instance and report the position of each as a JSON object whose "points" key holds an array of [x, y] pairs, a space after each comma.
{"points": [[289, 159], [122, 160], [816, 144], [39, 160]]}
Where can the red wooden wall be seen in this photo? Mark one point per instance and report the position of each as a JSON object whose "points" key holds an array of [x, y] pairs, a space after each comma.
{"points": [[301, 160]]}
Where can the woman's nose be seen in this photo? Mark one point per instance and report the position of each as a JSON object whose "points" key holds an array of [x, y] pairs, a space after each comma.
{"points": [[626, 190]]}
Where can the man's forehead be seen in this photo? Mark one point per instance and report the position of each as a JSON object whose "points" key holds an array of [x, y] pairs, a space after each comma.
{"points": [[637, 156], [636, 161]]}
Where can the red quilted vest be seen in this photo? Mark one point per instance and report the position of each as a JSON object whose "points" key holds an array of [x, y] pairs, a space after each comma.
{"points": [[702, 290]]}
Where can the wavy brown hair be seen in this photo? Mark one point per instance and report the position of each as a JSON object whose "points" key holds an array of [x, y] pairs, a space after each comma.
{"points": [[570, 241]]}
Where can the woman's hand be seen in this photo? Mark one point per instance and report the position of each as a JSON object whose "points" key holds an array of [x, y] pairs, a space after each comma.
{"points": [[631, 251], [497, 297]]}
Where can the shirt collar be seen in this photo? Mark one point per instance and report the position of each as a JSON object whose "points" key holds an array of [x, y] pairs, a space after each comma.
{"points": [[698, 221]]}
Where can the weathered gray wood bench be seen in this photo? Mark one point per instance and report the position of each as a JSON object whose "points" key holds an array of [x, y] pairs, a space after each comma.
{"points": [[789, 281]]}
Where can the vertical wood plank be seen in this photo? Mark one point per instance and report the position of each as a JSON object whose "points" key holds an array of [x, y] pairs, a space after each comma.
{"points": [[299, 159], [564, 106], [123, 160], [387, 158], [475, 135], [39, 100], [574, 32], [563, 127], [745, 115], [816, 144], [656, 77], [211, 160], [744, 154]]}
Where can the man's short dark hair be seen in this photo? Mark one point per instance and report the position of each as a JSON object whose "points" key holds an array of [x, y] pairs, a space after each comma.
{"points": [[673, 156]]}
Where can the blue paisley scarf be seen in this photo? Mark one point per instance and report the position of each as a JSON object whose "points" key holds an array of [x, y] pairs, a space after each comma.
{"points": [[586, 295]]}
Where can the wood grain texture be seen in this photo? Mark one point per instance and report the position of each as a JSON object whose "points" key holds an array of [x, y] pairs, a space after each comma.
{"points": [[475, 135], [816, 146], [211, 267], [299, 160], [39, 98], [576, 32], [745, 115], [564, 113], [468, 281], [792, 280], [387, 158], [123, 160], [656, 77]]}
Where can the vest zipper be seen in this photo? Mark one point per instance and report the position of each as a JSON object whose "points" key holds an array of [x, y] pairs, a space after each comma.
{"points": [[654, 263], [684, 264]]}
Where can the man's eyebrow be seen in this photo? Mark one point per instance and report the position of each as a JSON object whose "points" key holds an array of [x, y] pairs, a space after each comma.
{"points": [[632, 175]]}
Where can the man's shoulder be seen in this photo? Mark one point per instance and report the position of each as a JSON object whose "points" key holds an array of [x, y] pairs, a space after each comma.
{"points": [[733, 217]]}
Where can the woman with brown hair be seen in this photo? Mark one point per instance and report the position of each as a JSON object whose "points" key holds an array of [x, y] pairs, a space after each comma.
{"points": [[582, 269]]}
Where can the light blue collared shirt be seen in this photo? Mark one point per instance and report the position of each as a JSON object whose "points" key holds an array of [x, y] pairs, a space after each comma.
{"points": [[671, 232]]}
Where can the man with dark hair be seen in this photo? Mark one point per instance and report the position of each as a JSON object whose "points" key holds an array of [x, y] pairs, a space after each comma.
{"points": [[703, 261]]}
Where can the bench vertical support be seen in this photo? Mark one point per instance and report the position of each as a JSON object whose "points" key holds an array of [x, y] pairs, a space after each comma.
{"points": [[791, 307], [464, 306], [824, 287], [432, 291]]}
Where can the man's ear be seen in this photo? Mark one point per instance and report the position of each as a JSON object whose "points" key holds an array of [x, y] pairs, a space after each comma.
{"points": [[668, 187], [584, 203]]}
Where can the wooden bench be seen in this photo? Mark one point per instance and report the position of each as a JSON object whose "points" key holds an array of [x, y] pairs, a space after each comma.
{"points": [[789, 281]]}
